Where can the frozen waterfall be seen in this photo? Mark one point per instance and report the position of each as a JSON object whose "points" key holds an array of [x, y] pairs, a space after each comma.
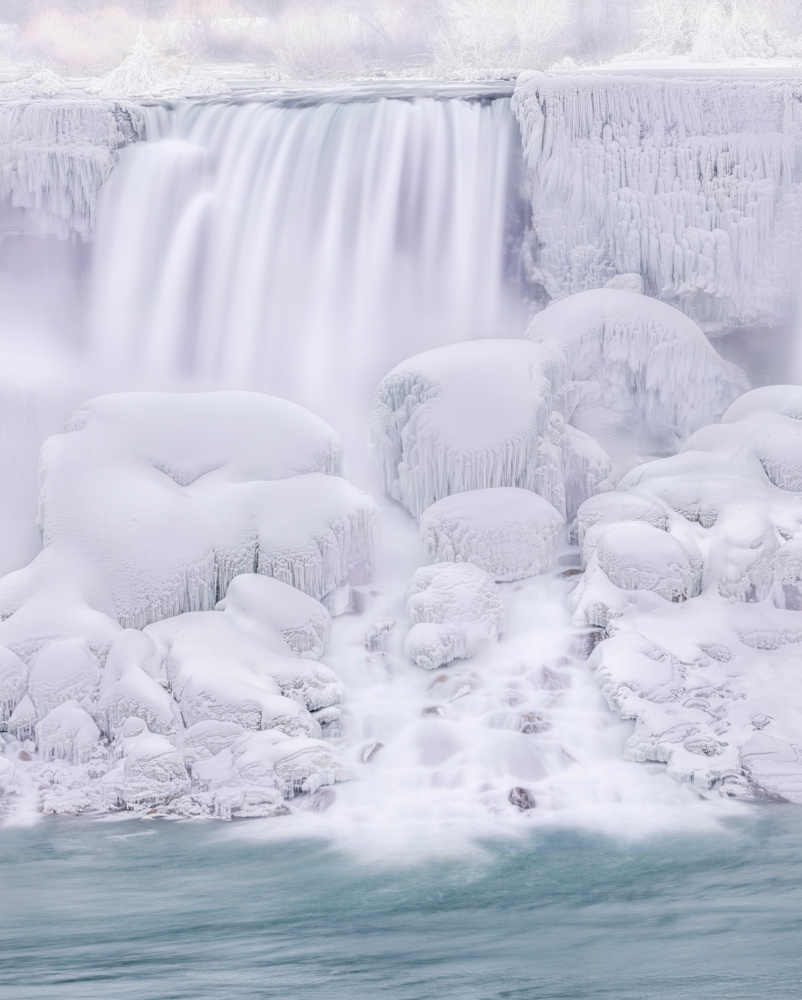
{"points": [[275, 246]]}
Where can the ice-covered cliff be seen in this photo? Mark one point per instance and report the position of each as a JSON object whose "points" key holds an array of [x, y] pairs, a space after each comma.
{"points": [[55, 155], [694, 183]]}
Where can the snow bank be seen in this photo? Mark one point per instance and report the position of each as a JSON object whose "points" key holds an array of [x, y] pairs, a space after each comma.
{"points": [[507, 532], [455, 608], [55, 156], [635, 368], [695, 184], [694, 567], [174, 605]]}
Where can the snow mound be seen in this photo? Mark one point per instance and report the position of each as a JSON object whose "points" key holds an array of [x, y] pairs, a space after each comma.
{"points": [[691, 183], [507, 532], [455, 608], [635, 362], [174, 605], [480, 415], [694, 567]]}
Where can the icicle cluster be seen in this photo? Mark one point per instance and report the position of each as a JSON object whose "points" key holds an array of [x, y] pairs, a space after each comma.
{"points": [[694, 568], [695, 184], [55, 155]]}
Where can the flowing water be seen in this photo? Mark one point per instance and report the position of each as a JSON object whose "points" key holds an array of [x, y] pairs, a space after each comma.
{"points": [[187, 912], [305, 250]]}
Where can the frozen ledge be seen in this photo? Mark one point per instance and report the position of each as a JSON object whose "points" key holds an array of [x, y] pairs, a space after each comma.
{"points": [[55, 156]]}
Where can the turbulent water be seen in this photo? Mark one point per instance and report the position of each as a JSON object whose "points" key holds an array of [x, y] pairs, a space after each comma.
{"points": [[183, 912]]}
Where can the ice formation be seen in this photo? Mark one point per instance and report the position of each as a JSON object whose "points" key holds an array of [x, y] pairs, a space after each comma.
{"points": [[55, 156], [174, 607], [454, 608], [693, 183], [492, 413], [635, 368], [507, 532], [694, 568], [480, 415]]}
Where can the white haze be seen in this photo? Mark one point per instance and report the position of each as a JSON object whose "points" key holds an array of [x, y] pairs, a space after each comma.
{"points": [[316, 39]]}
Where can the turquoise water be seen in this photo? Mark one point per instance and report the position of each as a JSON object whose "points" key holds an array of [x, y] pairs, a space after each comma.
{"points": [[188, 912]]}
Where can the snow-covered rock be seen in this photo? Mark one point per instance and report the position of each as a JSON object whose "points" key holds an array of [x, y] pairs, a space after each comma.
{"points": [[67, 733], [480, 415], [301, 622], [152, 503], [694, 183], [509, 533], [454, 608], [636, 368], [694, 567], [153, 769]]}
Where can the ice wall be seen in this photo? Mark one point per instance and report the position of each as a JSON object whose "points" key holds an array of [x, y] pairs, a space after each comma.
{"points": [[55, 156], [696, 184]]}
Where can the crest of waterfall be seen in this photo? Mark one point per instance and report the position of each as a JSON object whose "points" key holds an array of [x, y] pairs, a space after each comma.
{"points": [[296, 249]]}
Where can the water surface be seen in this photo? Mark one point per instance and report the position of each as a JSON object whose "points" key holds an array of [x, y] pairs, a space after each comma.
{"points": [[162, 911]]}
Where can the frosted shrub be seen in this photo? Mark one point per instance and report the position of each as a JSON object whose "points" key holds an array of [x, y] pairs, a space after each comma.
{"points": [[498, 34], [710, 30]]}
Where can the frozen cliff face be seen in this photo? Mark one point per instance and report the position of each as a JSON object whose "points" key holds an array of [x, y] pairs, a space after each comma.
{"points": [[480, 415], [638, 372], [694, 184], [216, 520], [694, 567], [55, 155]]}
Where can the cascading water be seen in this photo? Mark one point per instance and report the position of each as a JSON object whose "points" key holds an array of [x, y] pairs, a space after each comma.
{"points": [[294, 249]]}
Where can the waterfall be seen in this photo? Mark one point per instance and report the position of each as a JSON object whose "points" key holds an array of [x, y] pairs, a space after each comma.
{"points": [[302, 249]]}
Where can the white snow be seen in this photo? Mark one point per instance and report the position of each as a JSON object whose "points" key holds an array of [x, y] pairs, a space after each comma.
{"points": [[510, 533], [692, 180]]}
